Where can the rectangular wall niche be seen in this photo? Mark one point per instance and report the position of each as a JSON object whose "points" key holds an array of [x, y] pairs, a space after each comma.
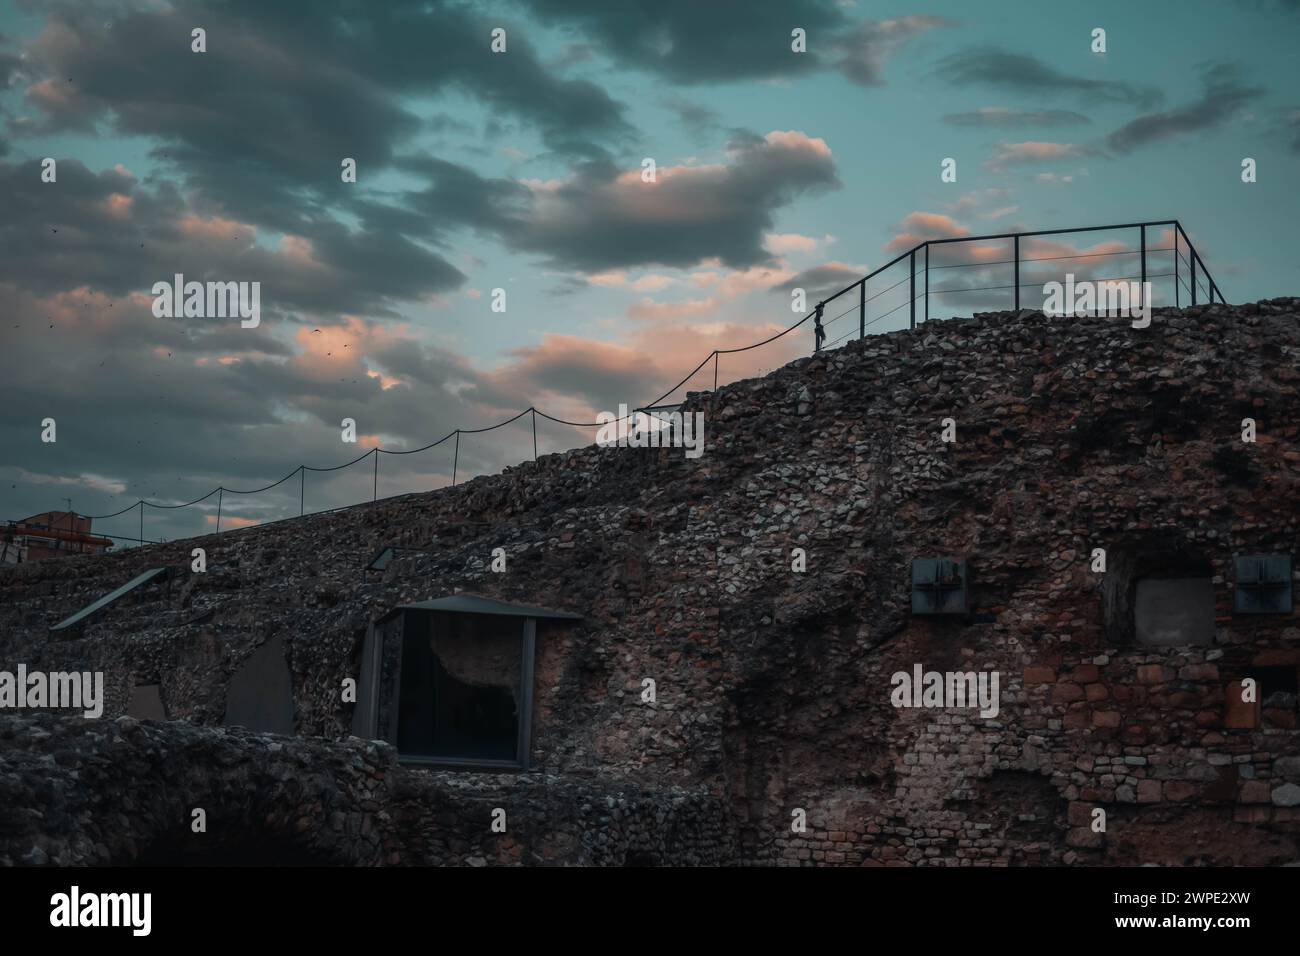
{"points": [[939, 586], [1263, 584], [1174, 611], [450, 681], [146, 703]]}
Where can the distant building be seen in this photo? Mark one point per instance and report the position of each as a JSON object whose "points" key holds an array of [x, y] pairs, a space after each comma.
{"points": [[54, 534]]}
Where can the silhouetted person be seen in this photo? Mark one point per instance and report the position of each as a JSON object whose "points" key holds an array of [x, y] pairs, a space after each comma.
{"points": [[817, 327]]}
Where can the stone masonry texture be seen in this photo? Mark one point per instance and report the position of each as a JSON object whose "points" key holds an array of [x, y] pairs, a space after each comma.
{"points": [[773, 686]]}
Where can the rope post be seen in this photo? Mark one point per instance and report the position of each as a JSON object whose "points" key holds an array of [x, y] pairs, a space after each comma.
{"points": [[927, 282], [715, 370], [1015, 255], [302, 490], [534, 411], [374, 495], [220, 493], [141, 521], [1192, 263], [455, 461]]}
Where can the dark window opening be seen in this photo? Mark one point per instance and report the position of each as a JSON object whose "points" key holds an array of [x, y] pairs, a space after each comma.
{"points": [[1263, 584], [146, 703], [1275, 686], [260, 694], [450, 681], [460, 687], [1174, 611], [939, 586], [1158, 592]]}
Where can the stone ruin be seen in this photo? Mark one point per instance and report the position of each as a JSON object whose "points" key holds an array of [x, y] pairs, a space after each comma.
{"points": [[724, 690]]}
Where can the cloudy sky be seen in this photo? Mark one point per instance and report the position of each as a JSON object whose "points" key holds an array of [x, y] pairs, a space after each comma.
{"points": [[522, 171]]}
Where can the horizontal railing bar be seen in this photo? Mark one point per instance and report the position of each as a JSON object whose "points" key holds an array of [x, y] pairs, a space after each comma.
{"points": [[1001, 235]]}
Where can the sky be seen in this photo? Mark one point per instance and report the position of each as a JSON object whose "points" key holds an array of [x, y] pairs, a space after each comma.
{"points": [[525, 170]]}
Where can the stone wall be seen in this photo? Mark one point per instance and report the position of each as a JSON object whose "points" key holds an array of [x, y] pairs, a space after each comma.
{"points": [[773, 686]]}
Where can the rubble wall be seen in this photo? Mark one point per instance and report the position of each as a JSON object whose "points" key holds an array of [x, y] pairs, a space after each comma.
{"points": [[773, 685]]}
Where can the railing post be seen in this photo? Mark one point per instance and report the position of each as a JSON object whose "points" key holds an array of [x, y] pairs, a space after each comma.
{"points": [[1177, 291], [1015, 255], [912, 264], [862, 309], [1142, 244]]}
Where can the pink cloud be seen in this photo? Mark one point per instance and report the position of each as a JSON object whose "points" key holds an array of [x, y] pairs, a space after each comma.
{"points": [[1014, 154]]}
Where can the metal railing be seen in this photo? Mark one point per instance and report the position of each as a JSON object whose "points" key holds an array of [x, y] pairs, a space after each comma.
{"points": [[1204, 281]]}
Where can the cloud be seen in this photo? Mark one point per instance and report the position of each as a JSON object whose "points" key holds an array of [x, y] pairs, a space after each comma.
{"points": [[980, 202], [690, 42], [1223, 97], [107, 231], [782, 244], [917, 227], [1001, 116], [618, 279], [337, 69], [650, 309], [865, 49], [824, 280], [254, 129], [1014, 71], [722, 41], [1063, 178], [1019, 154], [698, 119], [602, 219]]}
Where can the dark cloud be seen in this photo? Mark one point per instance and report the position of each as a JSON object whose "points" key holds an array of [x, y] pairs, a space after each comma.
{"points": [[256, 127], [823, 280], [689, 42], [692, 42], [107, 232], [1015, 71], [1224, 95], [603, 217], [696, 118], [337, 68], [1001, 116]]}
